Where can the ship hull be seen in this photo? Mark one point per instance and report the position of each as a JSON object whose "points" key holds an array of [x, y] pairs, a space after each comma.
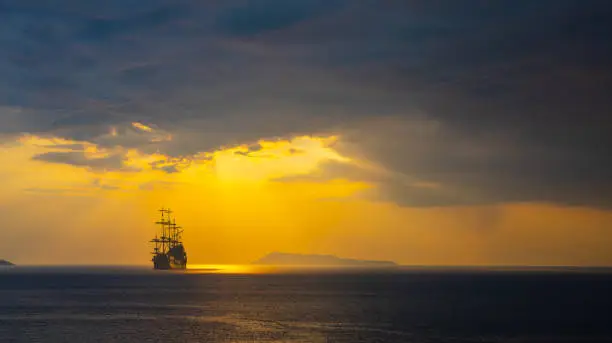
{"points": [[164, 262]]}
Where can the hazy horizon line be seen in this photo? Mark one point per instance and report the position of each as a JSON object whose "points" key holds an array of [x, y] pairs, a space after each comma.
{"points": [[433, 266]]}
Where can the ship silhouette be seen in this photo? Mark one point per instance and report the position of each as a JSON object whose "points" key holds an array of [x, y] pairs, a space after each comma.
{"points": [[168, 251]]}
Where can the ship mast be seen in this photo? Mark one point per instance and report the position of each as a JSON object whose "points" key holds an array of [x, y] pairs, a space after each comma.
{"points": [[169, 252], [162, 244]]}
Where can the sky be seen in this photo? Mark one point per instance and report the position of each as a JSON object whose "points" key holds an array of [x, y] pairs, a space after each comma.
{"points": [[423, 132]]}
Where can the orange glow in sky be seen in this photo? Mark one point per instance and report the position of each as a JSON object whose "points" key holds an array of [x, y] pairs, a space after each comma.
{"points": [[236, 206]]}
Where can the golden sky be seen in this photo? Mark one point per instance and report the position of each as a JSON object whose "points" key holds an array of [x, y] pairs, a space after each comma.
{"points": [[240, 202]]}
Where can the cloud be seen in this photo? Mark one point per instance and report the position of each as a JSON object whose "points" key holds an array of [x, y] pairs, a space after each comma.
{"points": [[142, 127], [250, 150], [423, 163], [69, 146], [79, 159], [515, 94], [252, 18], [172, 165]]}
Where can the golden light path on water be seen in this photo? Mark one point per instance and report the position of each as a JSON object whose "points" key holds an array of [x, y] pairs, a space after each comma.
{"points": [[229, 269], [282, 269], [255, 269]]}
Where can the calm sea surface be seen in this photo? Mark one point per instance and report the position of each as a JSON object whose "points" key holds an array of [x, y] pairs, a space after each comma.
{"points": [[276, 305]]}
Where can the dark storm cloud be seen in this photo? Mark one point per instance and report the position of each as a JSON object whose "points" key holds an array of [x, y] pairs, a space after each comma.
{"points": [[518, 90], [433, 164], [248, 18]]}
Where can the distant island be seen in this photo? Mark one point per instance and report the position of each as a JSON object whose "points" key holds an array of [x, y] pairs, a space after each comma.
{"points": [[279, 258], [5, 263]]}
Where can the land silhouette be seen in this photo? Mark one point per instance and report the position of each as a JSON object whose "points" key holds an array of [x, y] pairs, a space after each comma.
{"points": [[280, 258], [5, 263]]}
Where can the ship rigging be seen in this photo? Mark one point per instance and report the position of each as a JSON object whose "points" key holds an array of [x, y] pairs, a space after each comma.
{"points": [[168, 251]]}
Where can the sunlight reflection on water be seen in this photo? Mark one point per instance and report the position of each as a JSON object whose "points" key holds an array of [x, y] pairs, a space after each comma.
{"points": [[280, 269], [253, 269], [223, 269]]}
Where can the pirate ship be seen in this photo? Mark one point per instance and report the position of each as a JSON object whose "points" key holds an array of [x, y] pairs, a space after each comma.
{"points": [[168, 251]]}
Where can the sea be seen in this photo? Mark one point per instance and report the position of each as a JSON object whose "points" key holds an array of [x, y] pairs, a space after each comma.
{"points": [[247, 304]]}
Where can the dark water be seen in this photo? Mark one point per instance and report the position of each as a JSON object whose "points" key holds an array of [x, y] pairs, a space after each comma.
{"points": [[125, 305]]}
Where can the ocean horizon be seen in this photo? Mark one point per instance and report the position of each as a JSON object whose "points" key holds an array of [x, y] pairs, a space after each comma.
{"points": [[253, 268]]}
